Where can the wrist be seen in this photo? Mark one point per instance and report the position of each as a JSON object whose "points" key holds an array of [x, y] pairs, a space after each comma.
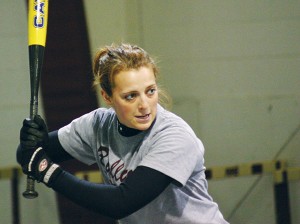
{"points": [[51, 174]]}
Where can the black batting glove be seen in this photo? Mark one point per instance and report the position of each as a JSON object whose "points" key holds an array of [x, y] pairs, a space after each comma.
{"points": [[34, 133]]}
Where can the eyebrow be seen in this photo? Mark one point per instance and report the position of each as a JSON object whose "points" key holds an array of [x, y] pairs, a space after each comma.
{"points": [[152, 85], [135, 91]]}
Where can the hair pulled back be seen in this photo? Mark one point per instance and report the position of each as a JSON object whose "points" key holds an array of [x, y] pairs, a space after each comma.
{"points": [[114, 59]]}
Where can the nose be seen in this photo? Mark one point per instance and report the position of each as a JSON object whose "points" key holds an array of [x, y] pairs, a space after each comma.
{"points": [[143, 102]]}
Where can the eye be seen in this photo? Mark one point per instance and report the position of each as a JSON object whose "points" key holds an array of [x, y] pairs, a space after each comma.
{"points": [[130, 96], [151, 91]]}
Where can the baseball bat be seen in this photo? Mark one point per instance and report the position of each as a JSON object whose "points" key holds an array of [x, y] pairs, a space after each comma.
{"points": [[37, 32]]}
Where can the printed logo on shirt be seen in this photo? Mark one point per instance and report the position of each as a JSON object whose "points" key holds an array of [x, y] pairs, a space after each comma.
{"points": [[114, 169]]}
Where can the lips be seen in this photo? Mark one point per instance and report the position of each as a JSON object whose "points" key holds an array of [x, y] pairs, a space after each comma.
{"points": [[143, 118]]}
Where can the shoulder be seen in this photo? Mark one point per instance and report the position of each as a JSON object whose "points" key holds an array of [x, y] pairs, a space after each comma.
{"points": [[103, 114], [167, 121], [97, 117], [171, 128]]}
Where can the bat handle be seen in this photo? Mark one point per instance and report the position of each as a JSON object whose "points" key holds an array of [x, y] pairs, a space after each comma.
{"points": [[30, 192]]}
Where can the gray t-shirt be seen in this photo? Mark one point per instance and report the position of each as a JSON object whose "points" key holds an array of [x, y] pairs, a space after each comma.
{"points": [[169, 146]]}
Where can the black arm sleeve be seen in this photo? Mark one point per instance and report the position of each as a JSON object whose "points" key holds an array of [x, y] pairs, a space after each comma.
{"points": [[141, 187], [55, 150]]}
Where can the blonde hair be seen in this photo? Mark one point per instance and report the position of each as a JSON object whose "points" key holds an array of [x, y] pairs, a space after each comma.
{"points": [[111, 60]]}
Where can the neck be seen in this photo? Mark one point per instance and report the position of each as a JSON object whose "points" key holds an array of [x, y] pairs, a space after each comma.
{"points": [[126, 131]]}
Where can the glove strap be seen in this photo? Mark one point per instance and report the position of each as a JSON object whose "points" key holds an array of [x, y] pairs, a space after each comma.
{"points": [[32, 158], [49, 173]]}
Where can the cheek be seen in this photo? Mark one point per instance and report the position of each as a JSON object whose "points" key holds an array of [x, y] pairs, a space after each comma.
{"points": [[154, 101], [123, 111], [154, 106]]}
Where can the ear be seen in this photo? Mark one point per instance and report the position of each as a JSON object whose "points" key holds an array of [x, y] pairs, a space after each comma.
{"points": [[107, 99]]}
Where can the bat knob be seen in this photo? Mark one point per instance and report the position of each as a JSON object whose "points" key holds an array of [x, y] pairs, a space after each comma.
{"points": [[30, 192]]}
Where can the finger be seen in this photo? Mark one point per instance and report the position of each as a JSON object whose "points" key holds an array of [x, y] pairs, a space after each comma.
{"points": [[40, 122], [30, 123], [31, 132], [28, 145], [28, 137]]}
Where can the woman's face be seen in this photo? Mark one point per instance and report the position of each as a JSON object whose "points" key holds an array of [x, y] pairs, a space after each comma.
{"points": [[134, 98]]}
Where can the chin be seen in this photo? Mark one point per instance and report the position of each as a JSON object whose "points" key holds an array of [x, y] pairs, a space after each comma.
{"points": [[143, 127]]}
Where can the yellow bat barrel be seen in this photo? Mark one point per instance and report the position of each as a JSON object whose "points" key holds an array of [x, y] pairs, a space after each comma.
{"points": [[37, 22]]}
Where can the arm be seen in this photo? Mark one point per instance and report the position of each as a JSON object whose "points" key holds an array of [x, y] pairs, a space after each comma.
{"points": [[141, 187], [55, 150]]}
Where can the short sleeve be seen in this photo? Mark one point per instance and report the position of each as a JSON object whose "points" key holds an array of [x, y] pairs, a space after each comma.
{"points": [[175, 152], [78, 138]]}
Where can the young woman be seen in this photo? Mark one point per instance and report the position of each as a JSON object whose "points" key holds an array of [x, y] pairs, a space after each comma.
{"points": [[151, 160]]}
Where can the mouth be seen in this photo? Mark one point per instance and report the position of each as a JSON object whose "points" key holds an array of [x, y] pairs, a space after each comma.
{"points": [[143, 117]]}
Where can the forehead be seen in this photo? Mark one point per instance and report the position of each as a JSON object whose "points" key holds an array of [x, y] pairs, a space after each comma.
{"points": [[134, 79]]}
